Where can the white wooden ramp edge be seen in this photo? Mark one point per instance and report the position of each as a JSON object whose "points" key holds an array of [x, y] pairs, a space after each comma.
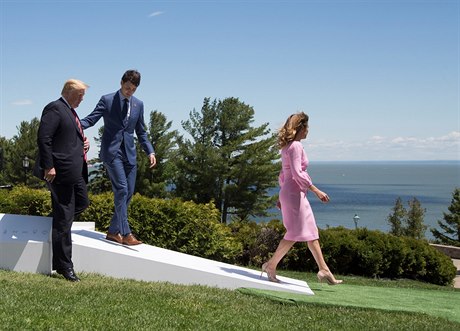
{"points": [[93, 253]]}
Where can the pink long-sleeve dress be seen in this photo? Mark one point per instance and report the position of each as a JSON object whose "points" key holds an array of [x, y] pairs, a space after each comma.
{"points": [[298, 218]]}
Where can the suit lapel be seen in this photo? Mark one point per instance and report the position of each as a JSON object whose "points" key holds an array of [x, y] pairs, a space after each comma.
{"points": [[71, 116]]}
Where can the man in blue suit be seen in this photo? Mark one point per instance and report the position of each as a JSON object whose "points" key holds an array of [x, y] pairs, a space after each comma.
{"points": [[123, 114]]}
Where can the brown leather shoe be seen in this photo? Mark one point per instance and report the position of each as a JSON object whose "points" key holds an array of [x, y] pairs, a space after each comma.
{"points": [[130, 240], [115, 237]]}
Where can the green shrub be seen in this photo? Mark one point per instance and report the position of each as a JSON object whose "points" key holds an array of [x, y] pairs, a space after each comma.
{"points": [[380, 254], [99, 211], [185, 227], [360, 252], [25, 201]]}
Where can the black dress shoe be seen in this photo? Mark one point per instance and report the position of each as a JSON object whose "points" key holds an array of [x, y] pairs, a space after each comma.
{"points": [[69, 274]]}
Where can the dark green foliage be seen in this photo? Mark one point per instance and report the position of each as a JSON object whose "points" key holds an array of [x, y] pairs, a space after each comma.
{"points": [[450, 227], [258, 240], [227, 160], [358, 252], [387, 256], [25, 201], [415, 227], [172, 224], [99, 181], [100, 210], [397, 218], [407, 222], [23, 144], [154, 182]]}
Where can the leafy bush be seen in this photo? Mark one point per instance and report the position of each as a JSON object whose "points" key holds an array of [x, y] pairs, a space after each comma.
{"points": [[359, 252], [185, 227], [25, 201]]}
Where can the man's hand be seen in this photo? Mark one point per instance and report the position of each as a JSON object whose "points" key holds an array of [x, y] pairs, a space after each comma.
{"points": [[50, 174], [152, 160], [86, 144]]}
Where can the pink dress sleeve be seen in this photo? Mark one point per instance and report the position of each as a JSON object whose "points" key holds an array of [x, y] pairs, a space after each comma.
{"points": [[298, 173]]}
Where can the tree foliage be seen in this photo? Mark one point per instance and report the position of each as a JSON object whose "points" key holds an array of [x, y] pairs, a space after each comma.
{"points": [[155, 182], [409, 222], [14, 150], [450, 227], [227, 160], [415, 227], [396, 219], [99, 181]]}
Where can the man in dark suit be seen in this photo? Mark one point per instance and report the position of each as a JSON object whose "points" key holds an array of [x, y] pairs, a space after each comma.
{"points": [[62, 163], [123, 115]]}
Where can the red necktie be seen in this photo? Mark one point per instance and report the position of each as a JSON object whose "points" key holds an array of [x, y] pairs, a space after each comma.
{"points": [[80, 128]]}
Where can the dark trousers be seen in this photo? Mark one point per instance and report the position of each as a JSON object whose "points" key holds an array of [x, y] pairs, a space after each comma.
{"points": [[68, 201]]}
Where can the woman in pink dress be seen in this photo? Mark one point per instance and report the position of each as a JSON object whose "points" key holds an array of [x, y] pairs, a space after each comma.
{"points": [[298, 218]]}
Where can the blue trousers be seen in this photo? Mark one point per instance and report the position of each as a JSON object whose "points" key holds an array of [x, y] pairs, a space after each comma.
{"points": [[122, 174]]}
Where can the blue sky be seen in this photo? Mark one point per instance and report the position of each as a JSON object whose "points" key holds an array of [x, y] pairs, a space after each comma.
{"points": [[379, 79]]}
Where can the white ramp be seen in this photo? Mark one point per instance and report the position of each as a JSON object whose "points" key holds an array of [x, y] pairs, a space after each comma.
{"points": [[25, 246], [25, 243], [93, 253]]}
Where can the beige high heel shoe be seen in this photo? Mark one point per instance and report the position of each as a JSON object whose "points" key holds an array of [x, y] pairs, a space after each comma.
{"points": [[271, 277], [329, 277]]}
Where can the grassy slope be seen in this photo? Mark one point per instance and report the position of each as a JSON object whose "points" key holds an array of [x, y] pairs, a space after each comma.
{"points": [[37, 302]]}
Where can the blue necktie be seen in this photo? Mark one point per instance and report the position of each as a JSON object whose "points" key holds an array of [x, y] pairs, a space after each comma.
{"points": [[124, 111]]}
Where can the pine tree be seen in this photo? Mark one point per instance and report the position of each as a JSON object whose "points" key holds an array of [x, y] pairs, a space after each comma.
{"points": [[198, 163], [23, 144], [397, 218], [154, 182], [407, 222], [227, 160], [415, 227], [450, 228], [99, 181]]}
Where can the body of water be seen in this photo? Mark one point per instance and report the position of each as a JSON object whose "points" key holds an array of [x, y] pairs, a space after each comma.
{"points": [[370, 190]]}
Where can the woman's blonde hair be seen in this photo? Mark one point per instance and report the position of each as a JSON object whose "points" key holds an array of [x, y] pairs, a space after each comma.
{"points": [[294, 124]]}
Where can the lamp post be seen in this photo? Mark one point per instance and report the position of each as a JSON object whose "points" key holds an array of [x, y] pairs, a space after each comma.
{"points": [[356, 219], [25, 165]]}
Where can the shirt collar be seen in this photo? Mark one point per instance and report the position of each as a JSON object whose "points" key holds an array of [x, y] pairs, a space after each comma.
{"points": [[122, 97], [66, 102]]}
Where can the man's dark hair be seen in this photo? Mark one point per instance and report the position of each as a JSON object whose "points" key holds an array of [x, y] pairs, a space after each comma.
{"points": [[132, 76]]}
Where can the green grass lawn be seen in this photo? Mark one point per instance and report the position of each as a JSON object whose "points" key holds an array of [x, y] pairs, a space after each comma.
{"points": [[38, 302]]}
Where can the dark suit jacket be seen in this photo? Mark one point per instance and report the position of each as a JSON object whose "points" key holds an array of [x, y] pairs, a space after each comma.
{"points": [[118, 130], [60, 144]]}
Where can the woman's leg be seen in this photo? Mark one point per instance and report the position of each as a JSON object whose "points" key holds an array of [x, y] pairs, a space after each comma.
{"points": [[283, 247], [324, 272], [315, 250]]}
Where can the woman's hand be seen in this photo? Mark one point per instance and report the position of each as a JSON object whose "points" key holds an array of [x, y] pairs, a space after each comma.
{"points": [[320, 194]]}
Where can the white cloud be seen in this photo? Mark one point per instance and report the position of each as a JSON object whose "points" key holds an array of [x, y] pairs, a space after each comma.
{"points": [[446, 147], [24, 102], [156, 13]]}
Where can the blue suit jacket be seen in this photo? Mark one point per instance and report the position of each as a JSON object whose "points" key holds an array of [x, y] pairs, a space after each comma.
{"points": [[117, 130]]}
